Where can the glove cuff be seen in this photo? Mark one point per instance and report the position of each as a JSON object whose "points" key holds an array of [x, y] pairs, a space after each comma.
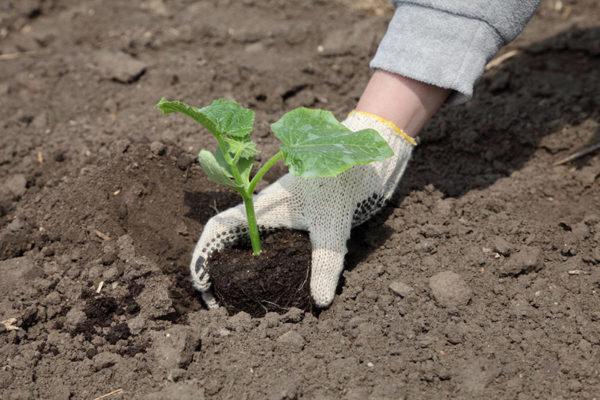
{"points": [[400, 132]]}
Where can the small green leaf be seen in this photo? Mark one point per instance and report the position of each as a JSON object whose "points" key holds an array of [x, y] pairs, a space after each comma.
{"points": [[222, 162], [222, 117], [315, 144], [244, 165], [246, 148], [215, 171]]}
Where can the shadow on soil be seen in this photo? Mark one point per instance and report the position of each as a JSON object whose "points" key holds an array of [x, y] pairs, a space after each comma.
{"points": [[550, 85], [203, 205]]}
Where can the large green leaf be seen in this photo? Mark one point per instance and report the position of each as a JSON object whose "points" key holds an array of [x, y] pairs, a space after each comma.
{"points": [[315, 144], [215, 171], [222, 117]]}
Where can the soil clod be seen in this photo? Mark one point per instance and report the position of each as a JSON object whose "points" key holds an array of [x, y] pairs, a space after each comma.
{"points": [[449, 289], [400, 289]]}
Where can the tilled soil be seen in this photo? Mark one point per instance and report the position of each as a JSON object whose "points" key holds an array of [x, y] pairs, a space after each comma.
{"points": [[480, 279]]}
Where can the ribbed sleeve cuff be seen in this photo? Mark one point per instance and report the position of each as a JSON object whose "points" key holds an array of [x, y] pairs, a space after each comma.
{"points": [[437, 47]]}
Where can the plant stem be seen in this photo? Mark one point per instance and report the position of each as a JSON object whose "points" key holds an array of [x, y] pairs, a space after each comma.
{"points": [[234, 169], [246, 193], [252, 226], [263, 171], [249, 203], [246, 196]]}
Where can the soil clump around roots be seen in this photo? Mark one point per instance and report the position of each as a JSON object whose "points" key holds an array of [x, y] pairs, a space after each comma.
{"points": [[273, 281]]}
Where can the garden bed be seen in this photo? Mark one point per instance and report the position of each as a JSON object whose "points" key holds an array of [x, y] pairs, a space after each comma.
{"points": [[479, 280]]}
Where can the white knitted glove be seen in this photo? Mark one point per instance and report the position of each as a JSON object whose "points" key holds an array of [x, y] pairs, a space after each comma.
{"points": [[325, 207]]}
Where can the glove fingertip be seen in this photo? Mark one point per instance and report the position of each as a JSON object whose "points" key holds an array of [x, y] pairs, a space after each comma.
{"points": [[322, 298], [209, 300], [326, 269]]}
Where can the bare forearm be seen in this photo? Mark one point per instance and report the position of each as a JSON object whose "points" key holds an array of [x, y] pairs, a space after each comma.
{"points": [[407, 103], [447, 43]]}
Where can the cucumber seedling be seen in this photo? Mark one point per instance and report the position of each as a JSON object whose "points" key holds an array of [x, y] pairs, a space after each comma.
{"points": [[314, 144]]}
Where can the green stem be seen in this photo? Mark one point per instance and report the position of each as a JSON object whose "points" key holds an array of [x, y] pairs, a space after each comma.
{"points": [[237, 157], [252, 226], [246, 193], [249, 203], [263, 171], [232, 164]]}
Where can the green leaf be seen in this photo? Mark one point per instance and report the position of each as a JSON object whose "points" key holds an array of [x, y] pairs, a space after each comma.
{"points": [[215, 171], [315, 144], [222, 117], [246, 148], [220, 158], [244, 165]]}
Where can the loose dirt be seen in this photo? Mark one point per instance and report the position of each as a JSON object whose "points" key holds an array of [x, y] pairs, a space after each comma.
{"points": [[480, 279]]}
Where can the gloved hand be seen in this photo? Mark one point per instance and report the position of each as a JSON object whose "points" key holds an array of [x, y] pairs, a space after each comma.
{"points": [[325, 207]]}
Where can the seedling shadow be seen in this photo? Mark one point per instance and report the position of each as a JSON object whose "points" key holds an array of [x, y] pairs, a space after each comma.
{"points": [[203, 205]]}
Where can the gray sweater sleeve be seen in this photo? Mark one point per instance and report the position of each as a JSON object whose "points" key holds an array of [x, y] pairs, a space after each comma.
{"points": [[448, 42]]}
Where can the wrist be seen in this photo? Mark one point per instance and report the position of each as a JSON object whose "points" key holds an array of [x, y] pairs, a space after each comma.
{"points": [[357, 120], [405, 102]]}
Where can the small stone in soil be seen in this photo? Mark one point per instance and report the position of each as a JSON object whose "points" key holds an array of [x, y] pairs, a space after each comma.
{"points": [[292, 341], [137, 324], [270, 320], [294, 315], [74, 317], [501, 246], [401, 289], [158, 148], [111, 274], [449, 289], [240, 322], [155, 300], [118, 66], [525, 261], [184, 161], [175, 347], [109, 258], [16, 185]]}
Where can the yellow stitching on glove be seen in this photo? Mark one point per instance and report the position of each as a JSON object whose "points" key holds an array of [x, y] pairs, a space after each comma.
{"points": [[386, 122]]}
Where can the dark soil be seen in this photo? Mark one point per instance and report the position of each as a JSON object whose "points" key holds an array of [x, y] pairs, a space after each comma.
{"points": [[276, 280], [481, 279]]}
